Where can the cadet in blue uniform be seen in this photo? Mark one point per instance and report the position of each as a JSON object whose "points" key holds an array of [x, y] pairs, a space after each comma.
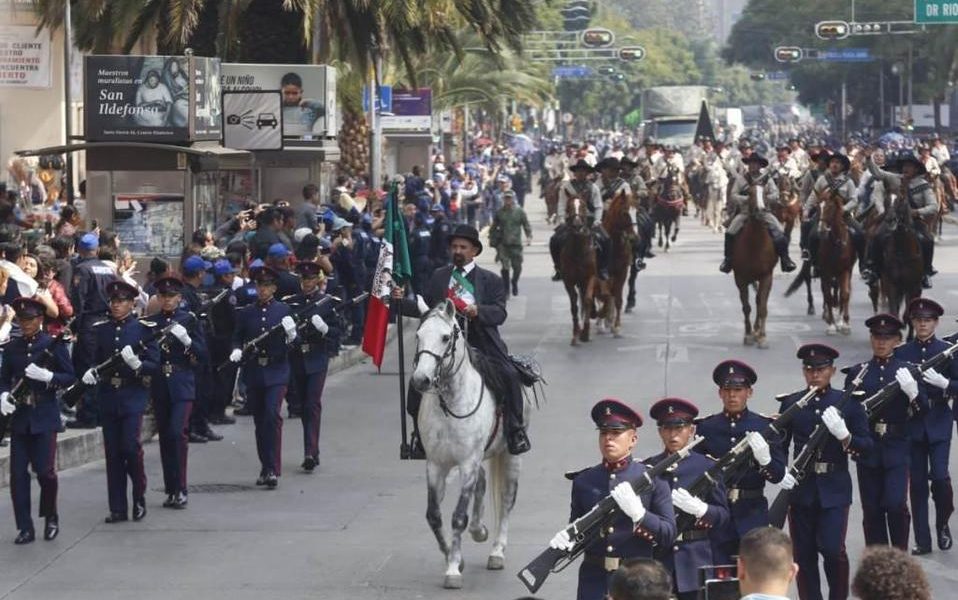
{"points": [[818, 508], [930, 433], [174, 388], [266, 374], [309, 358], [692, 549], [644, 522], [883, 472], [222, 322], [46, 365], [123, 396], [722, 431]]}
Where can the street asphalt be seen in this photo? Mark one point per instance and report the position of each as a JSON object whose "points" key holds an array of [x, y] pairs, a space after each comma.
{"points": [[356, 528]]}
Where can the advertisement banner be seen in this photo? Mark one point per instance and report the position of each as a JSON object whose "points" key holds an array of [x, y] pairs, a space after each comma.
{"points": [[149, 224], [412, 111], [308, 91], [207, 121], [24, 57]]}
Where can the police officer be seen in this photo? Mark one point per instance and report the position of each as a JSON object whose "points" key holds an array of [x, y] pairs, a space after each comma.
{"points": [[818, 507], [266, 374], [722, 431], [277, 258], [194, 271], [883, 472], [930, 433], [91, 276], [45, 365], [644, 522], [174, 388], [222, 321], [692, 549], [420, 242], [123, 396], [441, 229], [309, 358]]}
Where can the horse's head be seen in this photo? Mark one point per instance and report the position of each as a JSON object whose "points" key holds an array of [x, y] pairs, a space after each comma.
{"points": [[439, 347], [575, 214]]}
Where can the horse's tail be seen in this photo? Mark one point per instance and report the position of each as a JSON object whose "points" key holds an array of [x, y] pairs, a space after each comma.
{"points": [[804, 275], [497, 486]]}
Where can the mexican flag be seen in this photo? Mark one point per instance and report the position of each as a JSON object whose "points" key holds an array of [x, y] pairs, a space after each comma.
{"points": [[393, 267]]}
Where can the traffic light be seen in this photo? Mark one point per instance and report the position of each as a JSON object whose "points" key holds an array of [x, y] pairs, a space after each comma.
{"points": [[757, 76], [576, 15], [631, 53], [832, 30], [606, 71], [788, 54], [597, 38], [866, 28]]}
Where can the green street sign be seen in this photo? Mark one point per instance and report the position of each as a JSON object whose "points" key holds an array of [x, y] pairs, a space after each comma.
{"points": [[936, 11]]}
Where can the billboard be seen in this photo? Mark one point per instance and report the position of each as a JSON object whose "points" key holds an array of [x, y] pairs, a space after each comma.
{"points": [[24, 57], [412, 111], [309, 94], [207, 111]]}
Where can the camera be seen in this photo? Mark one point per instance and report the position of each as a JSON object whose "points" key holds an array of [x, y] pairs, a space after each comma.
{"points": [[719, 582]]}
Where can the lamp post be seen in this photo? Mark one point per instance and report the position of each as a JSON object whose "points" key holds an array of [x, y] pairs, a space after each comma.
{"points": [[898, 69]]}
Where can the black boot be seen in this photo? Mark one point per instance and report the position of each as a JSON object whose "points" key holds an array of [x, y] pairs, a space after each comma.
{"points": [[51, 528], [518, 441], [602, 255], [515, 280], [416, 450], [504, 273], [726, 266], [781, 246]]}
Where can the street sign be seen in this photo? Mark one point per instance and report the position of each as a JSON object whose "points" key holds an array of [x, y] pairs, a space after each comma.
{"points": [[384, 103], [936, 11], [573, 72], [845, 55], [776, 75], [253, 120]]}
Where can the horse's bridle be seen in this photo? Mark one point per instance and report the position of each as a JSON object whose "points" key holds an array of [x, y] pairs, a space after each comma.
{"points": [[446, 366]]}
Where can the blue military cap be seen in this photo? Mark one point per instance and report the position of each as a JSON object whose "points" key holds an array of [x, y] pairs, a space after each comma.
{"points": [[734, 373], [437, 208], [28, 308], [673, 411], [195, 264], [264, 275], [223, 267], [924, 308], [884, 324], [89, 241], [817, 355], [168, 286], [614, 414], [121, 290], [277, 250]]}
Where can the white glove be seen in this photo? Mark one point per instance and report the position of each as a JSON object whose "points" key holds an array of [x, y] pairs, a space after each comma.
{"points": [[236, 355], [561, 541], [179, 332], [6, 407], [130, 358], [89, 377], [759, 448], [933, 377], [421, 305], [625, 497], [788, 482], [289, 326], [688, 503], [319, 324], [38, 373], [835, 423], [907, 383]]}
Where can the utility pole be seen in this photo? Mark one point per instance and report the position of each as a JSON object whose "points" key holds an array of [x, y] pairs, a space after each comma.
{"points": [[375, 125], [881, 94], [844, 108], [67, 105], [911, 70]]}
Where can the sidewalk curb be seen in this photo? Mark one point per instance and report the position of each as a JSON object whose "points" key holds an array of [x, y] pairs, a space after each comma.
{"points": [[76, 448]]}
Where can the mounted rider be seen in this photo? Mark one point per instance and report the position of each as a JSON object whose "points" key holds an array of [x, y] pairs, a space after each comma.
{"points": [[834, 181], [806, 186], [784, 164], [581, 187], [640, 214], [671, 165], [738, 212], [921, 202]]}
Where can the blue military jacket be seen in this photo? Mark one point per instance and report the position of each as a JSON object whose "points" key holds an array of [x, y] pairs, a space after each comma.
{"points": [[891, 448], [44, 415], [269, 366], [686, 557], [625, 540], [177, 364], [311, 347], [124, 391], [833, 488], [936, 422], [722, 431]]}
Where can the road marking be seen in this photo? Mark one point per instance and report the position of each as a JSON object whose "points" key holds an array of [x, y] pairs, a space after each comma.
{"points": [[666, 302]]}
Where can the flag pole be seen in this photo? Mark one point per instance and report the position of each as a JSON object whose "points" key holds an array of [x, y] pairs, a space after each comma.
{"points": [[396, 306], [399, 277]]}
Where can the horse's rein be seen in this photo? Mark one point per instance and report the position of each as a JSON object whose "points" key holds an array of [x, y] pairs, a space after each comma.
{"points": [[449, 352]]}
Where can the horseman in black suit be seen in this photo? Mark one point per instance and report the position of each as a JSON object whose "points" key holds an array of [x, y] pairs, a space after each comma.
{"points": [[480, 307]]}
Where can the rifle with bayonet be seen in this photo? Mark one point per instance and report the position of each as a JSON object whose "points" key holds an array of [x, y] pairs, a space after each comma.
{"points": [[876, 403], [727, 467], [799, 469], [20, 393], [584, 530]]}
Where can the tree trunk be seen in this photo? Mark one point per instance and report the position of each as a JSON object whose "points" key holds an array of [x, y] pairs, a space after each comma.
{"points": [[270, 34], [354, 144]]}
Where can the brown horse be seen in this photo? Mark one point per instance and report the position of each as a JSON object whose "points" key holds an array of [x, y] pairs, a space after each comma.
{"points": [[618, 224], [836, 259], [667, 209], [578, 267], [551, 195], [788, 209], [871, 222], [753, 260], [902, 266]]}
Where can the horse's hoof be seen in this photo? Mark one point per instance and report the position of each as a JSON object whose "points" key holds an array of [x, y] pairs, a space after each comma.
{"points": [[616, 334], [574, 342], [748, 340], [762, 344], [496, 563], [453, 582], [831, 330], [480, 535], [811, 311], [845, 329]]}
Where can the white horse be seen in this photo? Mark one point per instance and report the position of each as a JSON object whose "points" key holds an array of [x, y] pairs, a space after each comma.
{"points": [[460, 427]]}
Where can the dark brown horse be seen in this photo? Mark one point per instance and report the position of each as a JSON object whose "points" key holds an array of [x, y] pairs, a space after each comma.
{"points": [[753, 260], [578, 268], [788, 209], [902, 266], [618, 224], [667, 208], [836, 259], [551, 195]]}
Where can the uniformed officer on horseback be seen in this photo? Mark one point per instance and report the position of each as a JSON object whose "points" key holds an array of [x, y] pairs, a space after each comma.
{"points": [[806, 189], [642, 248], [922, 203], [580, 186], [834, 181], [738, 212]]}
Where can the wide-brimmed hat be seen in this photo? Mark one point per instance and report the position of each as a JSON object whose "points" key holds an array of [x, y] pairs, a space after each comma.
{"points": [[846, 164], [756, 158], [909, 157], [467, 232], [581, 165], [609, 162]]}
